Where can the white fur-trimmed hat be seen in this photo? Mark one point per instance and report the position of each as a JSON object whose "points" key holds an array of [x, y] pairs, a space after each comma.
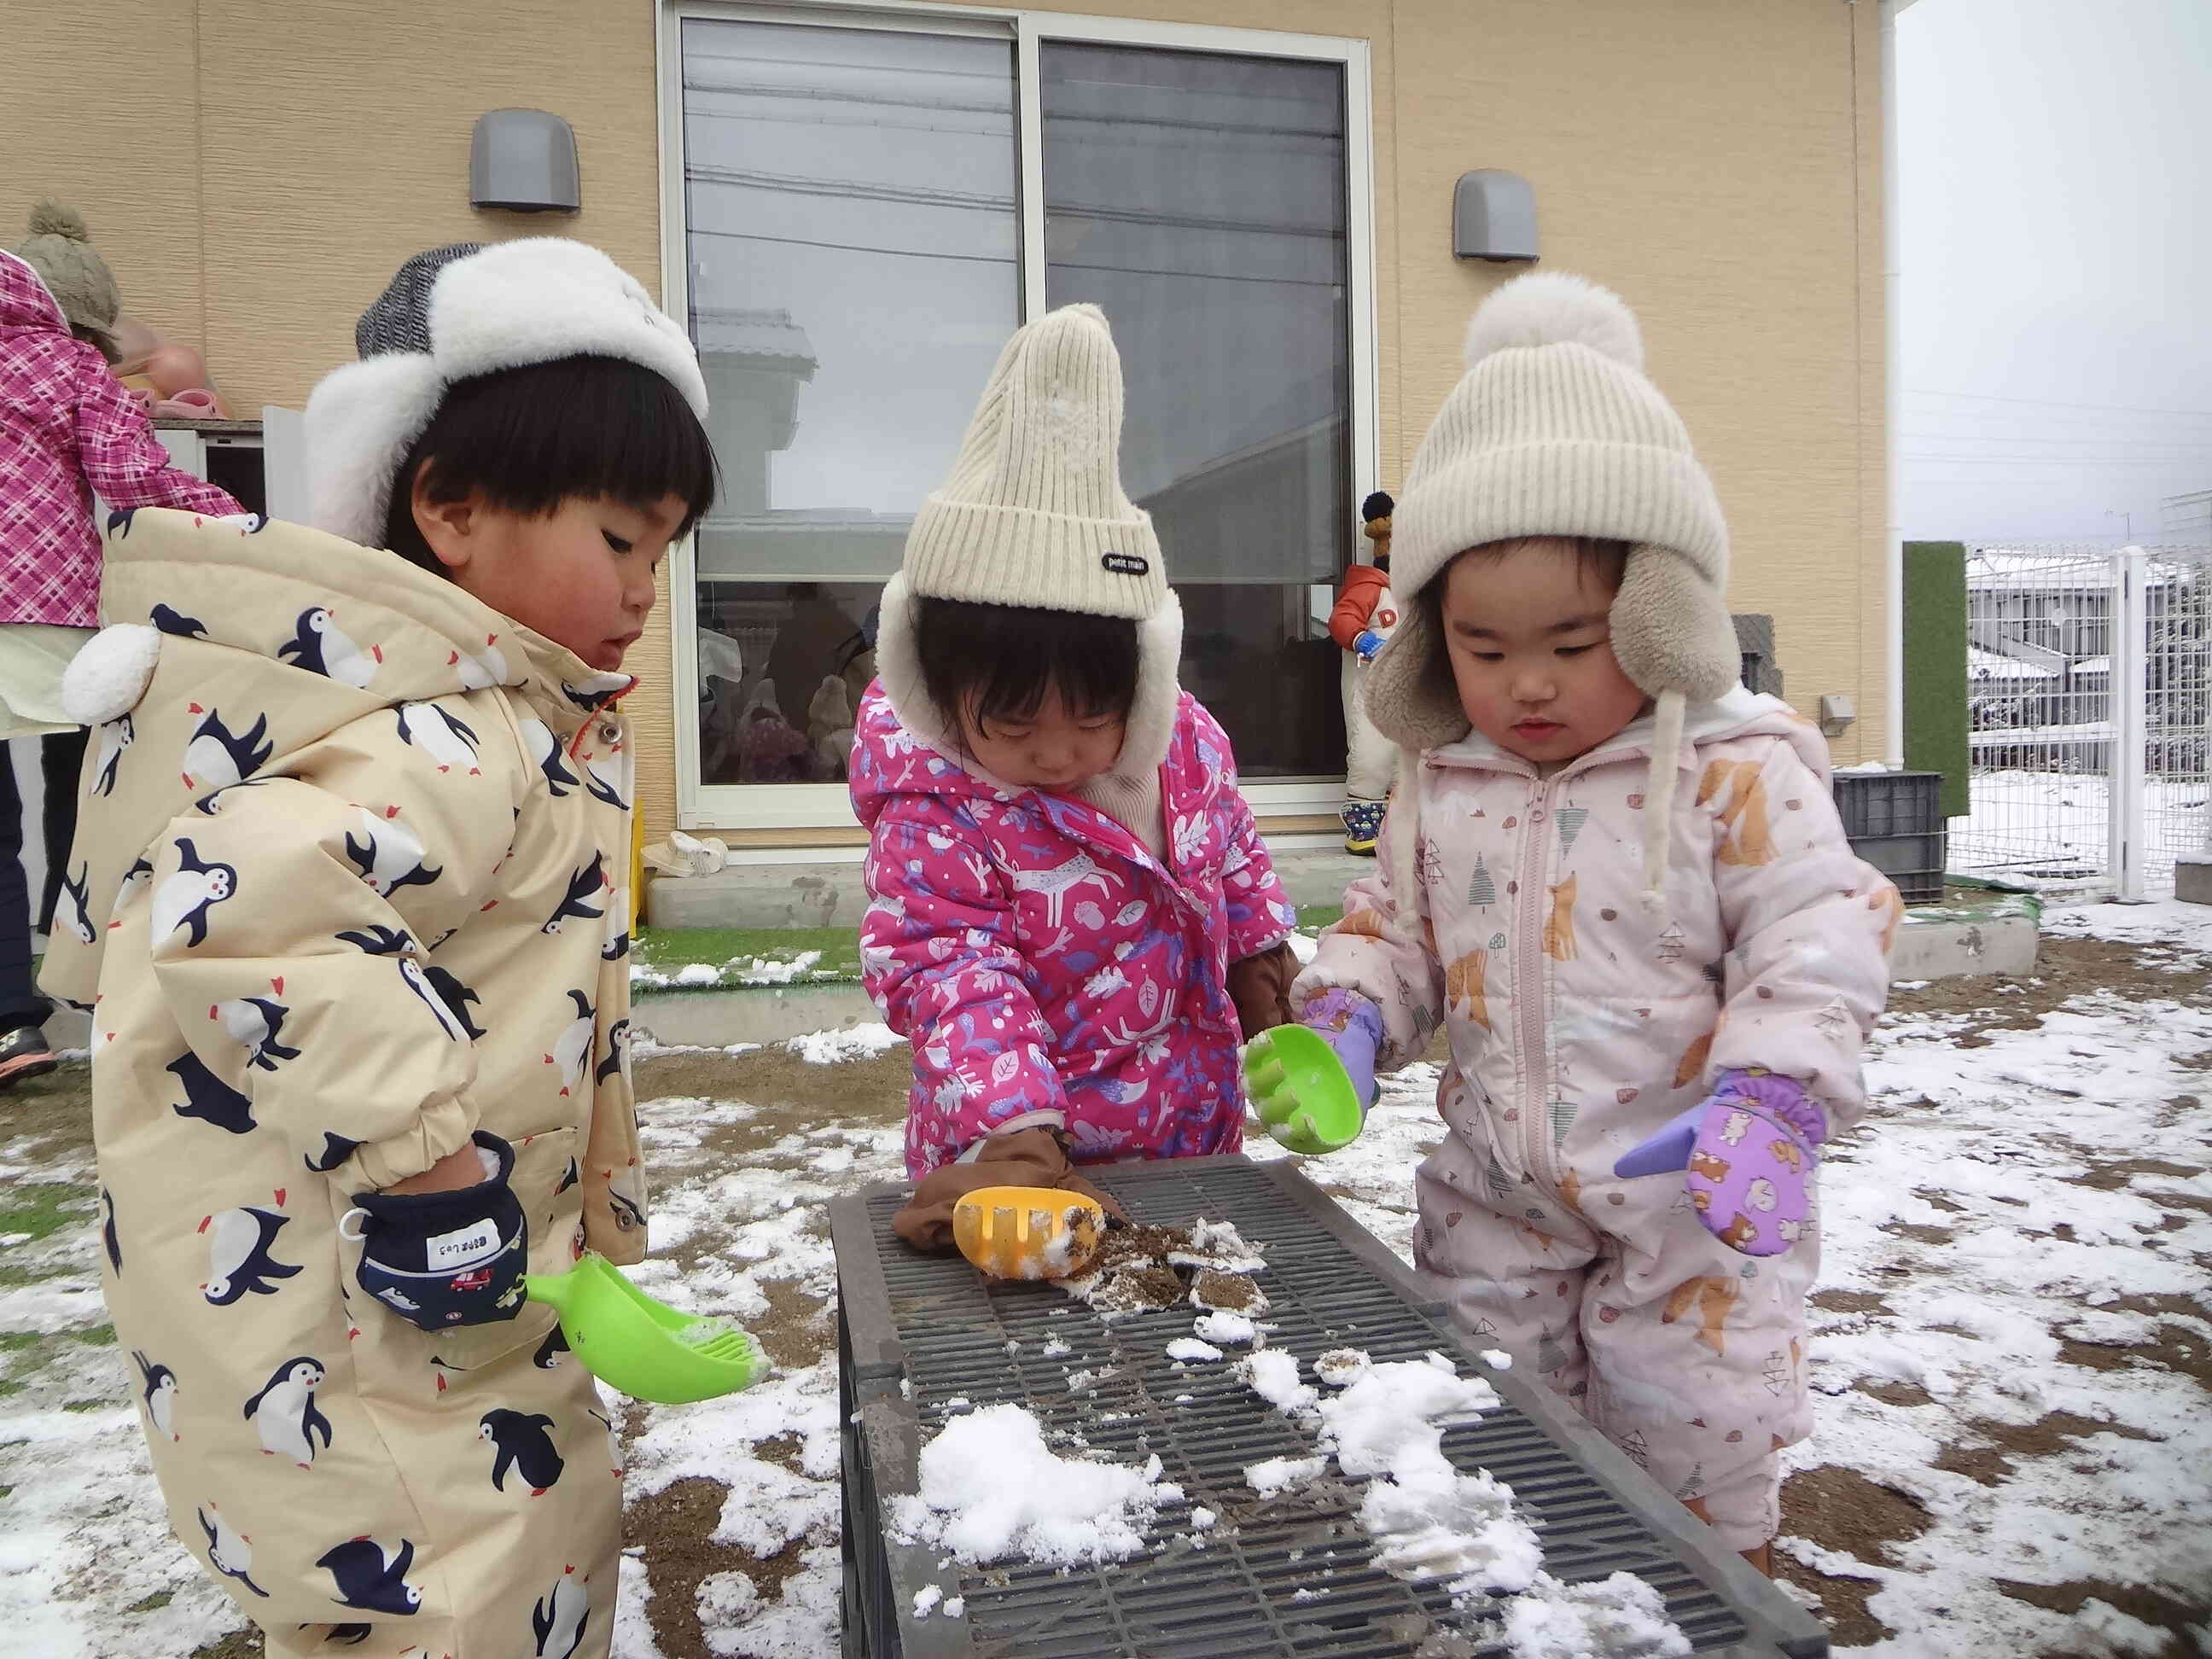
{"points": [[460, 311]]}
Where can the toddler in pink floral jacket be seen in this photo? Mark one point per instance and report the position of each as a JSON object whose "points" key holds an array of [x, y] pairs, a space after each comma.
{"points": [[1073, 917]]}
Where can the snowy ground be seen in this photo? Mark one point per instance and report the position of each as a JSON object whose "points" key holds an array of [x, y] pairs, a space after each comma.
{"points": [[2012, 1342]]}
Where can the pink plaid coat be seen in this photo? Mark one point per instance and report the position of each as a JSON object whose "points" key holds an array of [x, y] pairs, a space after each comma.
{"points": [[67, 429]]}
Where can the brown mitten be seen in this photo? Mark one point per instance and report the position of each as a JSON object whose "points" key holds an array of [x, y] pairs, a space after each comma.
{"points": [[1027, 1158], [1260, 987]]}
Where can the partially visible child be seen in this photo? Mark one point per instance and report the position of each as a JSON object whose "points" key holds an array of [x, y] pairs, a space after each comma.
{"points": [[1072, 916], [1361, 622], [67, 429], [355, 915], [1618, 883]]}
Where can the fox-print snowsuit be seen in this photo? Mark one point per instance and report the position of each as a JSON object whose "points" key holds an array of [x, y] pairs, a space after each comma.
{"points": [[350, 884], [1580, 1021]]}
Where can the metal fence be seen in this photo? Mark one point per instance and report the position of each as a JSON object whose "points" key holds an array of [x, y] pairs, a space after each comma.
{"points": [[2089, 686]]}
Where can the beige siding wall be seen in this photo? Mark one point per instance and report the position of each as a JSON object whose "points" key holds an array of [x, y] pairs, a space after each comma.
{"points": [[1716, 162]]}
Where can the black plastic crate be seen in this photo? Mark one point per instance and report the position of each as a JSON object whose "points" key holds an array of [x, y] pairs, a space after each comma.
{"points": [[1889, 804], [1915, 863], [917, 1332]]}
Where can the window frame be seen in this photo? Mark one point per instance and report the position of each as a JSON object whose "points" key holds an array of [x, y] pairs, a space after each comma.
{"points": [[817, 806]]}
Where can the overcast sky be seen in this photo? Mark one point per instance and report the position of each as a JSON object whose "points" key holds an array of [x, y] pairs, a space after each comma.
{"points": [[2056, 202]]}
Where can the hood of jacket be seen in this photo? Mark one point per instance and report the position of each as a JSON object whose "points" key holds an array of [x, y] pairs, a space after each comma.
{"points": [[26, 305]]}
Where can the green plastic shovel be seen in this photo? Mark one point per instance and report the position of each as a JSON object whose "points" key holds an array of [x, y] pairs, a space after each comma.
{"points": [[646, 1348], [1301, 1089]]}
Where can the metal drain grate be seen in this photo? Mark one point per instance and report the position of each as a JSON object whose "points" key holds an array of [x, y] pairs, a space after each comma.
{"points": [[1291, 1576]]}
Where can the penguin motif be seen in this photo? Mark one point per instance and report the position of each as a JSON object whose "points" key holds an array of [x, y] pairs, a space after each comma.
{"points": [[604, 778], [284, 1413], [624, 1199], [521, 1444], [614, 1439], [617, 944], [380, 941], [115, 736], [255, 1024], [208, 1098], [618, 1060], [480, 671], [337, 1149], [176, 623], [456, 997], [371, 1577], [107, 1235], [571, 1176], [230, 1552], [183, 899], [558, 1618], [597, 691], [388, 854], [80, 902], [588, 880], [217, 757], [347, 1636], [239, 1258], [412, 971], [572, 1050], [321, 646], [550, 1350], [546, 750], [137, 875], [449, 742], [158, 1394]]}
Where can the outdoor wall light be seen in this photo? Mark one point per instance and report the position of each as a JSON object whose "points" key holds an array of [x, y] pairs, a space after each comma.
{"points": [[523, 160], [1493, 216]]}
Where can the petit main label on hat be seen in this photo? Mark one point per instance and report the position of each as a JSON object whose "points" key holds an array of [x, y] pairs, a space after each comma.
{"points": [[1126, 564]]}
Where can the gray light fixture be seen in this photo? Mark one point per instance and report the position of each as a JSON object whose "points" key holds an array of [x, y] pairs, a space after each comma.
{"points": [[523, 160], [1493, 216]]}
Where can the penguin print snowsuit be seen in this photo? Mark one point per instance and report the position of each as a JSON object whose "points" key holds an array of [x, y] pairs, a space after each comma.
{"points": [[341, 913]]}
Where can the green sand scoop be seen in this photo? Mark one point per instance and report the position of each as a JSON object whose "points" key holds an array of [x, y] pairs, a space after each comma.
{"points": [[1301, 1090], [644, 1348]]}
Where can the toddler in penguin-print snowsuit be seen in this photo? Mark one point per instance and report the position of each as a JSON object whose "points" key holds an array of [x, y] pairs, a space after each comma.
{"points": [[353, 930]]}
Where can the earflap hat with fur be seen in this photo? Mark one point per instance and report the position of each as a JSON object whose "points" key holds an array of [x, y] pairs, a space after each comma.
{"points": [[460, 311], [1034, 514], [1553, 431]]}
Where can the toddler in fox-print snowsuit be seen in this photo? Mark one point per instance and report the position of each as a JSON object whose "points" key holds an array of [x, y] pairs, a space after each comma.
{"points": [[1072, 916], [1618, 881]]}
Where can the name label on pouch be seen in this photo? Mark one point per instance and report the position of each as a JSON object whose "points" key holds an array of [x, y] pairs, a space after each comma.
{"points": [[463, 1248], [1127, 564]]}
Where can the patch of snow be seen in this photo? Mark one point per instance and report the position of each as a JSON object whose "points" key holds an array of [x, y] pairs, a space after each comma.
{"points": [[834, 1048], [957, 1608], [1192, 1352], [1274, 1474], [1273, 1374], [1225, 1329], [1617, 1618], [926, 1599], [991, 1490], [774, 970]]}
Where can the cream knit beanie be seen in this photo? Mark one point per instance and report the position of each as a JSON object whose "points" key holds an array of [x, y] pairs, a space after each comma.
{"points": [[1034, 514], [1553, 431]]}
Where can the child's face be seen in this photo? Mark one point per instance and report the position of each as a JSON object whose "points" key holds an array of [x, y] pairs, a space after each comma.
{"points": [[1529, 641], [582, 574], [1050, 749]]}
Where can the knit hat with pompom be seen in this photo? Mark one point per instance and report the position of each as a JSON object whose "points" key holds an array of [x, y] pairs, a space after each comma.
{"points": [[1553, 431], [59, 248]]}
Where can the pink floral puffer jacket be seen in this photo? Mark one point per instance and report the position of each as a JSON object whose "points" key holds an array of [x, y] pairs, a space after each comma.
{"points": [[1046, 966]]}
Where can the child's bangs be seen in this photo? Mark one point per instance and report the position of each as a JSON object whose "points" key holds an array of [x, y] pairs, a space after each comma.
{"points": [[998, 661], [531, 438]]}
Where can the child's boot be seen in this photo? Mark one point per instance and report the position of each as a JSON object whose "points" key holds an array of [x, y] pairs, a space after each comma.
{"points": [[1363, 822]]}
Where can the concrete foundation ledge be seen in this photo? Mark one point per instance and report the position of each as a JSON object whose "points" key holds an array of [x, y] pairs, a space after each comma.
{"points": [[1958, 943]]}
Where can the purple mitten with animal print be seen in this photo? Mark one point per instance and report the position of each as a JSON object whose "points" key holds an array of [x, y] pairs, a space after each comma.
{"points": [[1747, 1153]]}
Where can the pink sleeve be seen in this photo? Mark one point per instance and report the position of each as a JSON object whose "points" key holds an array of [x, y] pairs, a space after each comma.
{"points": [[1260, 914], [124, 461], [938, 957], [1810, 927]]}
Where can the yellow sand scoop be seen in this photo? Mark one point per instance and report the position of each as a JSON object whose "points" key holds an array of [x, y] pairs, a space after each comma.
{"points": [[1028, 1232]]}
